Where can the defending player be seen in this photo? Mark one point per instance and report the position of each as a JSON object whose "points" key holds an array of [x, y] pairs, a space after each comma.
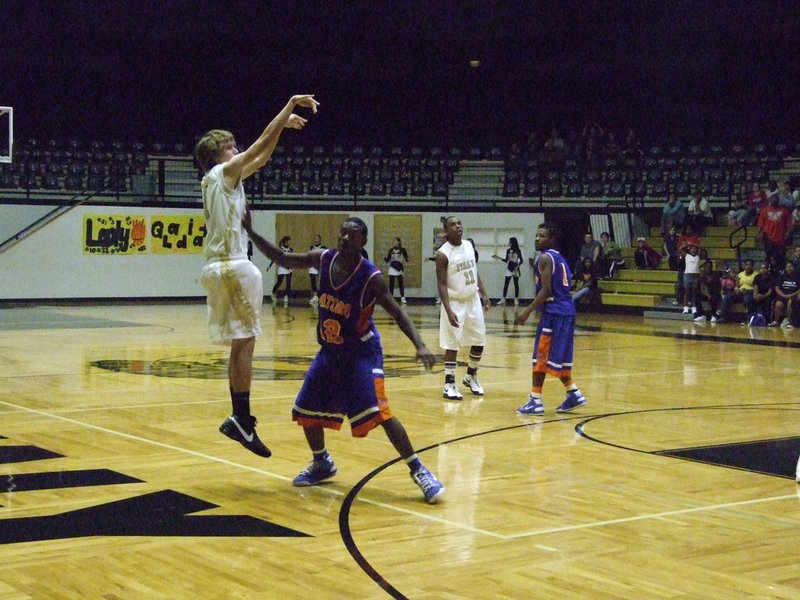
{"points": [[553, 348], [346, 377]]}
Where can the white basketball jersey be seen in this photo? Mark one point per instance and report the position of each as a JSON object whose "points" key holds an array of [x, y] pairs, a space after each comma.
{"points": [[462, 270], [224, 209]]}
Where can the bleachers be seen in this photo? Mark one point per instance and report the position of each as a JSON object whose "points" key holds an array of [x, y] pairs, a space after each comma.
{"points": [[717, 172], [639, 288], [319, 170]]}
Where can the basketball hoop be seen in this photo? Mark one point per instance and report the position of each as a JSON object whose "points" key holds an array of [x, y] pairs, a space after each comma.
{"points": [[6, 133]]}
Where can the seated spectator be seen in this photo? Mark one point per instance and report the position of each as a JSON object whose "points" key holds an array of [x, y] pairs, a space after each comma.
{"points": [[572, 145], [775, 266], [785, 197], [514, 160], [532, 144], [645, 257], [796, 259], [772, 190], [549, 154], [591, 154], [698, 213], [591, 248], [787, 289], [727, 286], [610, 147], [742, 292], [755, 202], [594, 132], [710, 292], [632, 147], [737, 211], [610, 256], [673, 213], [795, 225], [669, 249], [763, 291], [585, 284]]}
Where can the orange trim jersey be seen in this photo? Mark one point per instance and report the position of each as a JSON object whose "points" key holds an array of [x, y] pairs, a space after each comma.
{"points": [[345, 310], [560, 303], [345, 379]]}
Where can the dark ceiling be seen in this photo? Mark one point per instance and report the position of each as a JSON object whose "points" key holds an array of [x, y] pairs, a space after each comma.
{"points": [[399, 72]]}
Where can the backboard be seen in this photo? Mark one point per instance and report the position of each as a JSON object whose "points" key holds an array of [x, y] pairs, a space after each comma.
{"points": [[6, 133]]}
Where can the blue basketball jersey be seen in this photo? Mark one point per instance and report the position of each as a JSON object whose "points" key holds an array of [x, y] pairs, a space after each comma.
{"points": [[345, 311], [560, 302]]}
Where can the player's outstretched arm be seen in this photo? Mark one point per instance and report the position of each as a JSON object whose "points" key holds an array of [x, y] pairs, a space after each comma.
{"points": [[377, 286], [302, 260]]}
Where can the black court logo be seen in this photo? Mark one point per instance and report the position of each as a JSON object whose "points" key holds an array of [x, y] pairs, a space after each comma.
{"points": [[161, 513]]}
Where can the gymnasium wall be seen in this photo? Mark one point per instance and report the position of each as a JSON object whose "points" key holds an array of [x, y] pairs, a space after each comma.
{"points": [[98, 252]]}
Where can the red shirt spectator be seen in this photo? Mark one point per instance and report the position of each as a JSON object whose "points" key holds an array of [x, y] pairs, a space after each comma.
{"points": [[774, 222]]}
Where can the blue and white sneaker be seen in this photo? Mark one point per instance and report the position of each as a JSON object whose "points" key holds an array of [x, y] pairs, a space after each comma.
{"points": [[316, 472], [431, 487], [533, 406], [571, 402]]}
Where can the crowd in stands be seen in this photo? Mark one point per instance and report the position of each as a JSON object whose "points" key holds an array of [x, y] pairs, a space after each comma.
{"points": [[769, 294], [589, 148], [706, 292]]}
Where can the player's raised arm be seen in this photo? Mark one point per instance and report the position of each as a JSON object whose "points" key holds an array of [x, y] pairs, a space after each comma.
{"points": [[244, 164]]}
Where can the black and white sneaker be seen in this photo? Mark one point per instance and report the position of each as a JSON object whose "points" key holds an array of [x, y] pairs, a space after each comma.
{"points": [[245, 434]]}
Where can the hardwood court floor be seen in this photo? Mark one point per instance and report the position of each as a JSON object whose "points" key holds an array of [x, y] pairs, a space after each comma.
{"points": [[676, 480]]}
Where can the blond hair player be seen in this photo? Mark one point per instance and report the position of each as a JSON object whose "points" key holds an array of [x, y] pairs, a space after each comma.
{"points": [[234, 285]]}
